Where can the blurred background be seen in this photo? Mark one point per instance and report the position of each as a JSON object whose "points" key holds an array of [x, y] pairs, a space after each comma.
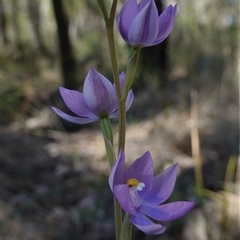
{"points": [[54, 175]]}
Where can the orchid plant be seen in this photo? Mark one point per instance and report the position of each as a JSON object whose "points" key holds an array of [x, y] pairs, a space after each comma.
{"points": [[136, 191]]}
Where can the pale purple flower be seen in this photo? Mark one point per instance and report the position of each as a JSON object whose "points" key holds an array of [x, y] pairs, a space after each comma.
{"points": [[98, 99], [142, 195], [140, 25]]}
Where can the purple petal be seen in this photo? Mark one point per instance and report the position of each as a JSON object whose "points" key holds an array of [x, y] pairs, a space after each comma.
{"points": [[117, 174], [122, 79], [166, 22], [167, 212], [142, 170], [121, 193], [144, 28], [114, 114], [75, 102], [129, 100], [146, 225], [126, 16], [99, 94], [77, 120], [162, 187], [130, 96], [142, 4]]}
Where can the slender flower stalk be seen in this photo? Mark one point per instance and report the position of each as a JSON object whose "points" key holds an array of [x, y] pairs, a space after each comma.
{"points": [[122, 111], [130, 74], [109, 21]]}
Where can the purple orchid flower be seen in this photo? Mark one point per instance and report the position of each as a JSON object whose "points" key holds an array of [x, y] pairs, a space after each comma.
{"points": [[141, 195], [140, 25], [98, 100]]}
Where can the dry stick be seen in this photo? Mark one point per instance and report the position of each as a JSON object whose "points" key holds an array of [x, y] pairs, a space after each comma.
{"points": [[232, 164], [196, 154], [195, 142]]}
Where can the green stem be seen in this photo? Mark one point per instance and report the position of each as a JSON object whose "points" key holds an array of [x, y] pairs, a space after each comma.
{"points": [[108, 139], [122, 124], [106, 127], [130, 74], [113, 10], [115, 71], [110, 35], [111, 45], [113, 56], [126, 233]]}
